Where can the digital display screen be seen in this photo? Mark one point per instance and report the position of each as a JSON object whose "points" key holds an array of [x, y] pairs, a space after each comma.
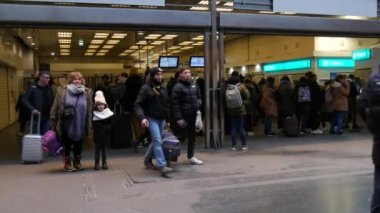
{"points": [[168, 62], [197, 61]]}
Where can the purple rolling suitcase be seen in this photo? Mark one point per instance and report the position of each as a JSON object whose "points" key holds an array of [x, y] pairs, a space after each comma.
{"points": [[32, 144]]}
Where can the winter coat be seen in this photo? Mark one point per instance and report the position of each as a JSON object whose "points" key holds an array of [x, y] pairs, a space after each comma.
{"points": [[340, 97], [58, 106], [185, 100], [327, 107], [152, 101], [253, 100], [34, 99], [268, 101], [102, 130], [316, 95], [285, 99]]}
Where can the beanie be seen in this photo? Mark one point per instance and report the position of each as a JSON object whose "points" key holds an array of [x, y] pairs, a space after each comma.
{"points": [[99, 97]]}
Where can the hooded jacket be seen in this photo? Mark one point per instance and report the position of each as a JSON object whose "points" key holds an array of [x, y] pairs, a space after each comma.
{"points": [[245, 96], [339, 96]]}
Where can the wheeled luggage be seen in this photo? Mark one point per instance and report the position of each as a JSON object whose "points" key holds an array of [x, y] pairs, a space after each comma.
{"points": [[32, 144], [290, 127], [171, 146], [121, 133]]}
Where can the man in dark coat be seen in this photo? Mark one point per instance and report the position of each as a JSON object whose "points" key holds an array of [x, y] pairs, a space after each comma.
{"points": [[38, 99], [185, 101], [316, 103], [369, 107], [285, 101]]}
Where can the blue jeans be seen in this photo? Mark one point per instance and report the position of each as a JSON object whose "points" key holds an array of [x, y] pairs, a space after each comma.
{"points": [[156, 127], [268, 124], [237, 124], [337, 121]]}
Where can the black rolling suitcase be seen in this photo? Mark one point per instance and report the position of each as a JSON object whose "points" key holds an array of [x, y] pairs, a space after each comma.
{"points": [[121, 133], [290, 127]]}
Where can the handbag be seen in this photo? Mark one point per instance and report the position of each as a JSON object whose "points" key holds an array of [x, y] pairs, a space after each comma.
{"points": [[69, 111], [198, 122]]}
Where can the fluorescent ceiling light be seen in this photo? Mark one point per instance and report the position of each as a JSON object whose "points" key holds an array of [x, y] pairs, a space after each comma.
{"points": [[173, 47], [154, 35], [100, 54], [97, 41], [123, 54], [151, 38], [220, 9], [199, 8], [103, 51], [90, 51], [64, 46], [113, 41], [65, 53], [64, 50], [205, 2], [108, 46], [266, 12], [33, 43], [186, 48], [185, 43], [89, 54], [101, 35], [229, 4], [64, 34], [29, 37], [200, 37], [198, 43], [142, 43], [354, 17], [128, 51], [64, 41], [93, 46], [133, 47], [288, 13], [157, 42], [119, 35]]}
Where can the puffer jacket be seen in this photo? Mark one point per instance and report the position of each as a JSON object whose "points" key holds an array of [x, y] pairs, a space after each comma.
{"points": [[152, 101], [340, 97], [33, 99], [285, 100], [185, 100]]}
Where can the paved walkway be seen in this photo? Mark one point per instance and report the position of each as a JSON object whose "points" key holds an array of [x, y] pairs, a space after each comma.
{"points": [[128, 187]]}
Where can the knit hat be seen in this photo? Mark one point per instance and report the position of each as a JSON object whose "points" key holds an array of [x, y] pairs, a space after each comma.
{"points": [[99, 97]]}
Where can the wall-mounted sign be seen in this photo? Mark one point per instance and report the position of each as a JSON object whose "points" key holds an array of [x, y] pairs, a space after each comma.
{"points": [[336, 63], [159, 3], [287, 65], [363, 54]]}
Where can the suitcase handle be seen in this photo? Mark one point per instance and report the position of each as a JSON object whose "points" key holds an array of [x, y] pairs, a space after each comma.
{"points": [[32, 117]]}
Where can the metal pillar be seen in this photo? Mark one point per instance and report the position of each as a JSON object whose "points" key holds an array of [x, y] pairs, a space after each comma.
{"points": [[207, 86], [221, 85]]}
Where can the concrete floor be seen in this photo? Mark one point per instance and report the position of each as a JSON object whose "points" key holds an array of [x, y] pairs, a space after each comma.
{"points": [[325, 173]]}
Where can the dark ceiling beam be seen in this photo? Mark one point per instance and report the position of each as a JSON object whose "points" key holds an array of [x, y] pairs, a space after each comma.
{"points": [[18, 15], [297, 25]]}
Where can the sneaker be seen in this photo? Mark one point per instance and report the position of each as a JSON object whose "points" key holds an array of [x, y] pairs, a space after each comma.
{"points": [[195, 161], [234, 148], [166, 170], [317, 132], [302, 133], [244, 148]]}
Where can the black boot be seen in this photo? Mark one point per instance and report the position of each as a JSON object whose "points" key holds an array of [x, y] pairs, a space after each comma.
{"points": [[96, 167], [68, 166], [77, 164], [104, 165]]}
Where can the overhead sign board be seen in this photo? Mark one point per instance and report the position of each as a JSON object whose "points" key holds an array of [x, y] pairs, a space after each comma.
{"points": [[336, 63], [287, 65], [158, 3], [363, 54]]}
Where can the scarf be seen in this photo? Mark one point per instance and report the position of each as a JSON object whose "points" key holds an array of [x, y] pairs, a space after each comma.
{"points": [[97, 115], [76, 90], [76, 127]]}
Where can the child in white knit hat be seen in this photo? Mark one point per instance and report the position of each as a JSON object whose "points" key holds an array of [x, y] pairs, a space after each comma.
{"points": [[102, 120]]}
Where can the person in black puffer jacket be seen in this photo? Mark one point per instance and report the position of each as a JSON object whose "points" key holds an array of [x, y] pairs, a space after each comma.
{"points": [[185, 101], [38, 99], [152, 110]]}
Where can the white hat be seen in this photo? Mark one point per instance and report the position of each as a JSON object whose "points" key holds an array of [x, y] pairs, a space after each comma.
{"points": [[99, 97]]}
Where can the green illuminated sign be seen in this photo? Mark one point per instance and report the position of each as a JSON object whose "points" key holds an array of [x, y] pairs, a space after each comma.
{"points": [[287, 65], [362, 54], [336, 63]]}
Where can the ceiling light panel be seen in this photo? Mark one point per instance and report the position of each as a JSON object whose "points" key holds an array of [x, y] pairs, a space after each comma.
{"points": [[103, 51], [151, 38], [128, 51], [64, 50], [65, 53], [198, 38], [199, 8], [186, 48], [118, 35], [205, 2], [93, 46], [198, 43], [142, 42], [100, 54], [89, 54], [97, 41], [154, 35], [157, 42], [229, 4], [90, 51], [185, 43], [224, 9], [101, 35], [174, 47], [64, 34], [123, 54], [64, 46], [108, 46], [64, 41], [133, 47], [113, 41]]}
